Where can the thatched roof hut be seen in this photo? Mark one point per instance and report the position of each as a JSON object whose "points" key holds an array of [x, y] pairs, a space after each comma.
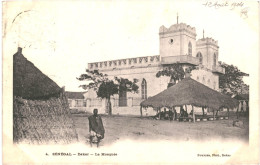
{"points": [[29, 82], [40, 108], [190, 92]]}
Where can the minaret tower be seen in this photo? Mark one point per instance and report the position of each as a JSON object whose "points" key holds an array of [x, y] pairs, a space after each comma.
{"points": [[177, 40], [208, 48]]}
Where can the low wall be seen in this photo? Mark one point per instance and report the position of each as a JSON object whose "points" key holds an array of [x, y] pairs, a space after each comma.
{"points": [[133, 111], [43, 121]]}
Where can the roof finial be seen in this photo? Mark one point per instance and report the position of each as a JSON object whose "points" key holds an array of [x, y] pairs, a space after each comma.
{"points": [[177, 18], [203, 33], [19, 51]]}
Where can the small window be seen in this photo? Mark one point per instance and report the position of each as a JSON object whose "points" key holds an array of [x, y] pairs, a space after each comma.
{"points": [[199, 55], [85, 104], [171, 41], [76, 103], [190, 49], [70, 103], [215, 59], [144, 89], [122, 99]]}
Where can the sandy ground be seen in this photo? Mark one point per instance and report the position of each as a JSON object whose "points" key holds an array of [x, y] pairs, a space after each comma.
{"points": [[135, 128]]}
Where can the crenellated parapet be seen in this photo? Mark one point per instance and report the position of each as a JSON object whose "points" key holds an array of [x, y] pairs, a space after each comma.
{"points": [[125, 63], [207, 41], [177, 28]]}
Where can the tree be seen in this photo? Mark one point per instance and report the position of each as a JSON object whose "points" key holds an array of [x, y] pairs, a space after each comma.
{"points": [[105, 87], [175, 71], [231, 82]]}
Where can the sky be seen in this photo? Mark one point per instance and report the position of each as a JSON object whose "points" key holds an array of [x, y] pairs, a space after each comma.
{"points": [[62, 37]]}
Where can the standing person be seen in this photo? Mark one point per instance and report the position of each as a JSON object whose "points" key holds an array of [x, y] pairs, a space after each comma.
{"points": [[171, 115], [96, 128], [175, 114], [166, 115], [182, 112]]}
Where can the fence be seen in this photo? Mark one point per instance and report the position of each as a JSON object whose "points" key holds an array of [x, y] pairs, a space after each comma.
{"points": [[129, 102], [77, 103], [42, 121], [95, 102]]}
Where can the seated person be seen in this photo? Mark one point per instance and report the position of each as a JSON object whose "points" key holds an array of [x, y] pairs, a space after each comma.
{"points": [[185, 114], [165, 114], [159, 115], [182, 113], [191, 114]]}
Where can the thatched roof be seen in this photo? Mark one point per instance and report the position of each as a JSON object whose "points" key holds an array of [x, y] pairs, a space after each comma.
{"points": [[29, 82], [242, 97], [75, 95], [190, 92]]}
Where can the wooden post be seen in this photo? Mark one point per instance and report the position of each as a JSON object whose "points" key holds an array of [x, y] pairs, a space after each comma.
{"points": [[228, 113], [238, 112], [174, 114], [213, 114], [203, 111], [159, 113], [141, 111], [193, 114]]}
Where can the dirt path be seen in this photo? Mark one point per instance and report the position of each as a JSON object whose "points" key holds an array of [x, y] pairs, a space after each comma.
{"points": [[134, 128]]}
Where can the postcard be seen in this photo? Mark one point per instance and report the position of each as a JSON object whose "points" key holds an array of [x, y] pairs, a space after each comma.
{"points": [[136, 82]]}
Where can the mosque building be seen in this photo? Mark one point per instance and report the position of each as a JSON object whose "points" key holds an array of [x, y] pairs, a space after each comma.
{"points": [[178, 44]]}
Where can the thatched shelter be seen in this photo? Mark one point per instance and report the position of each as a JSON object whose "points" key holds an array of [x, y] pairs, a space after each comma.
{"points": [[244, 97], [190, 92], [40, 107]]}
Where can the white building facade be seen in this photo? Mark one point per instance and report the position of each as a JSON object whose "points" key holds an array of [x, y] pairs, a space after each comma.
{"points": [[178, 44], [77, 101]]}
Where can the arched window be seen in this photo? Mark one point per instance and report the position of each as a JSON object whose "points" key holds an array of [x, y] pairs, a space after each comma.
{"points": [[215, 59], [144, 89], [122, 101], [199, 55], [190, 49], [122, 98]]}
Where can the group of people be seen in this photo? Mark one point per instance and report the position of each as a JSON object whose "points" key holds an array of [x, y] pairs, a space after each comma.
{"points": [[167, 115], [172, 114]]}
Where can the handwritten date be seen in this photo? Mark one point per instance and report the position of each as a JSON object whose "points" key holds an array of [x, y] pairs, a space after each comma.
{"points": [[218, 5]]}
